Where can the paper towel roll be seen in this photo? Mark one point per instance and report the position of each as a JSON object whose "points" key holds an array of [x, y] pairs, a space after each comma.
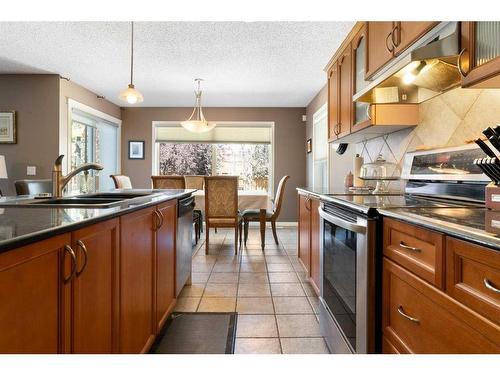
{"points": [[358, 162]]}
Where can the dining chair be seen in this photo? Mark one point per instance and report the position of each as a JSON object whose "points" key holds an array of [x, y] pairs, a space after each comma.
{"points": [[33, 187], [168, 182], [121, 181], [178, 182], [221, 207], [194, 182], [271, 215]]}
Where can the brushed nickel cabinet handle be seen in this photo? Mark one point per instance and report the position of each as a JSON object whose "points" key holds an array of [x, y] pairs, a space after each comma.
{"points": [[368, 111], [411, 248], [410, 318], [69, 250], [395, 29], [386, 42], [82, 246], [488, 285], [161, 217], [463, 73], [157, 220]]}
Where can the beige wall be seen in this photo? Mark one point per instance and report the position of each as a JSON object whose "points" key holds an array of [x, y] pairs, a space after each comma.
{"points": [[35, 98], [289, 157], [316, 103]]}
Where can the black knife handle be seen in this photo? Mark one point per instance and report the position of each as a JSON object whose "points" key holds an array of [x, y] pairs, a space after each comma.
{"points": [[495, 142], [485, 147], [489, 132]]}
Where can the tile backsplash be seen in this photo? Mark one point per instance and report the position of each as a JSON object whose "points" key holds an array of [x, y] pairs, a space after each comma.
{"points": [[450, 119]]}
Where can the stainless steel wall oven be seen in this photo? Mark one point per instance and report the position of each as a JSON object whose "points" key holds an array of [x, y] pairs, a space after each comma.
{"points": [[347, 277]]}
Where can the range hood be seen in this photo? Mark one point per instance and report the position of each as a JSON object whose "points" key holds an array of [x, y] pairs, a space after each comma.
{"points": [[428, 68]]}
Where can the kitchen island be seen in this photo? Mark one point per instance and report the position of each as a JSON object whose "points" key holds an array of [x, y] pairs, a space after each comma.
{"points": [[87, 280]]}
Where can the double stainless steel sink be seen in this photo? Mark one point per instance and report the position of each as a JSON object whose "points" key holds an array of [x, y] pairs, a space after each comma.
{"points": [[95, 200]]}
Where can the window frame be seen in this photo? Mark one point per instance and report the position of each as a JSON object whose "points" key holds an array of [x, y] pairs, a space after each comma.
{"points": [[318, 116], [65, 131], [269, 124]]}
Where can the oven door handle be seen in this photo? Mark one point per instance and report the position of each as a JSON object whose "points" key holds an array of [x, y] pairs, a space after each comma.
{"points": [[353, 227]]}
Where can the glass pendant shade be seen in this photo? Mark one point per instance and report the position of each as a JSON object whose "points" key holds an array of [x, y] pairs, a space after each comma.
{"points": [[197, 122], [131, 95]]}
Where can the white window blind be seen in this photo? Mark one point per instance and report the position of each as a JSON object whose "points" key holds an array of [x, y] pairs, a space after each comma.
{"points": [[223, 133]]}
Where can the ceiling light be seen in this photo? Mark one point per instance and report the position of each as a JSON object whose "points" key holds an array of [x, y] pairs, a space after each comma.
{"points": [[197, 122], [131, 95]]}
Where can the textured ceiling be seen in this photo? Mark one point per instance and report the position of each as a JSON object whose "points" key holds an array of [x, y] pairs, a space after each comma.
{"points": [[262, 64]]}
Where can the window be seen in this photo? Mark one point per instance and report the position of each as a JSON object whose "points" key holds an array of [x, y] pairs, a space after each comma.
{"points": [[320, 148], [92, 139], [243, 150]]}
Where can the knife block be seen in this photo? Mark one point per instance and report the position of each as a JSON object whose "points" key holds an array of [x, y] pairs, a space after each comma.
{"points": [[492, 221], [492, 196]]}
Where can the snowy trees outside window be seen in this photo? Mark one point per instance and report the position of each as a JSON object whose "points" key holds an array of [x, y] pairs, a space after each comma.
{"points": [[251, 162]]}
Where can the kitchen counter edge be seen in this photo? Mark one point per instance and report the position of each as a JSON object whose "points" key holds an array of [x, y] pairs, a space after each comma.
{"points": [[29, 238]]}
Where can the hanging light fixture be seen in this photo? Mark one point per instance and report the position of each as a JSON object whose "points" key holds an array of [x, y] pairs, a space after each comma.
{"points": [[197, 122], [131, 95]]}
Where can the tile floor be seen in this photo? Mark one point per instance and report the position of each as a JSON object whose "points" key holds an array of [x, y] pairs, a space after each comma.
{"points": [[276, 305]]}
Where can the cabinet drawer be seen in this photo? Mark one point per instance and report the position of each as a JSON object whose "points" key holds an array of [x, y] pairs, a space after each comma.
{"points": [[419, 250], [473, 277], [418, 318]]}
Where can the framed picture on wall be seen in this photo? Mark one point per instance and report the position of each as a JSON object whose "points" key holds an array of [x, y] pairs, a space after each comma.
{"points": [[309, 146], [136, 149], [8, 127]]}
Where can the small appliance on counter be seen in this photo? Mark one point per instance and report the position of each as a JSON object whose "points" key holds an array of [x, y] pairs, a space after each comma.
{"points": [[490, 165], [380, 171]]}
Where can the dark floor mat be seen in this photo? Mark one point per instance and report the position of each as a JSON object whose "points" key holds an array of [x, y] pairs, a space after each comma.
{"points": [[197, 333]]}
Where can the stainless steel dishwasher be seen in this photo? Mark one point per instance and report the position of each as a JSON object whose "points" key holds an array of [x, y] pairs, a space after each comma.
{"points": [[184, 243]]}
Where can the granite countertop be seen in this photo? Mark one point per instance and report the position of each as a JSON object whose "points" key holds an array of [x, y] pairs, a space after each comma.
{"points": [[478, 225], [21, 225], [475, 224]]}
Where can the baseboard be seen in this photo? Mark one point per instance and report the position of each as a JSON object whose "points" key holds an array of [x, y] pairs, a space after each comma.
{"points": [[278, 224]]}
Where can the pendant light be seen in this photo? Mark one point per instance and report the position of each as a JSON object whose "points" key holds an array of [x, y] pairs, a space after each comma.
{"points": [[197, 122], [131, 95]]}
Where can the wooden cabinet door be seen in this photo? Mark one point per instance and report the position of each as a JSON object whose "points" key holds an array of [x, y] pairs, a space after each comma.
{"points": [[407, 32], [32, 307], [479, 61], [305, 231], [380, 46], [137, 262], [165, 261], [359, 59], [345, 90], [95, 289], [418, 318], [333, 102], [315, 242]]}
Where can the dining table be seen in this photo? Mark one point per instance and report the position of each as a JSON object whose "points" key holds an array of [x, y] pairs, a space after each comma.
{"points": [[247, 199]]}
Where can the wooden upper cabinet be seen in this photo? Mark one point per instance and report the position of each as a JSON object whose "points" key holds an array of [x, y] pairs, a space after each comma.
{"points": [[95, 289], [345, 92], [359, 59], [479, 61], [305, 231], [137, 261], [380, 46], [407, 32], [32, 307], [333, 101], [165, 261]]}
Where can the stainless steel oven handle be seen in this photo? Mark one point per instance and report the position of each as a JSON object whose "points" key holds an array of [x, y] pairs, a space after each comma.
{"points": [[353, 227]]}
